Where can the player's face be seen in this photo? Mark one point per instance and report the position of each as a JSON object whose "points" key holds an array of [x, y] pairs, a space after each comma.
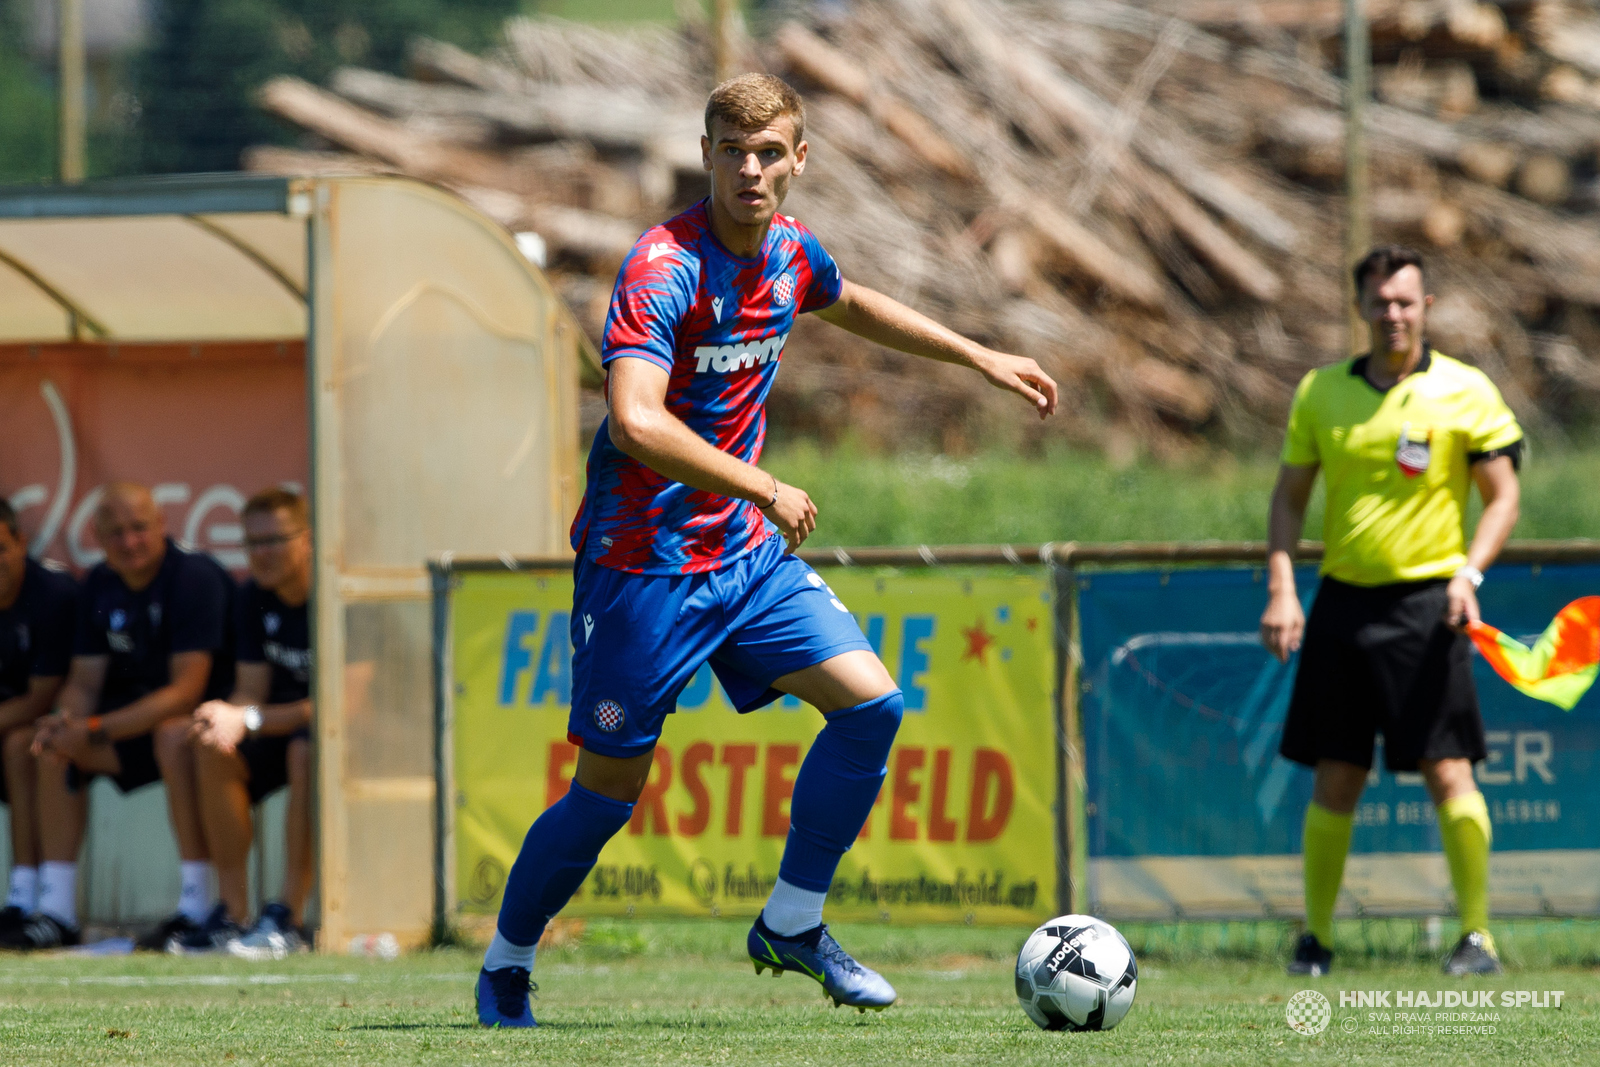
{"points": [[279, 548], [1396, 310], [750, 169], [13, 561], [132, 534]]}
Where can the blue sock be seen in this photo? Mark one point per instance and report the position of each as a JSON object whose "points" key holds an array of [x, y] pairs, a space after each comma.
{"points": [[835, 789], [556, 857]]}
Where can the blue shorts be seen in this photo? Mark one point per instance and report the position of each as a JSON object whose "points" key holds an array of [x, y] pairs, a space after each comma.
{"points": [[638, 639]]}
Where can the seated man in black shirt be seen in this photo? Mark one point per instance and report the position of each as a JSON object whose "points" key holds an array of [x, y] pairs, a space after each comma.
{"points": [[154, 639], [38, 607], [259, 739]]}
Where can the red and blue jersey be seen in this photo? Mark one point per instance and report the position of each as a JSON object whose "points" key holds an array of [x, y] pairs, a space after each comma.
{"points": [[717, 324]]}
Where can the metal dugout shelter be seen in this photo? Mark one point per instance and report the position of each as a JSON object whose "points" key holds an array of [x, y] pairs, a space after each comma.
{"points": [[440, 415]]}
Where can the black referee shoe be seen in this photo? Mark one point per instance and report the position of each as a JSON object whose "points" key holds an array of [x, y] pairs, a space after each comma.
{"points": [[1473, 954], [1311, 957]]}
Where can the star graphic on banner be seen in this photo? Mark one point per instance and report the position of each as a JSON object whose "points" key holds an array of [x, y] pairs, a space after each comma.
{"points": [[978, 641]]}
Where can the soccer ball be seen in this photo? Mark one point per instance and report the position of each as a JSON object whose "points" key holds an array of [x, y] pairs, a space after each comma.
{"points": [[1076, 973]]}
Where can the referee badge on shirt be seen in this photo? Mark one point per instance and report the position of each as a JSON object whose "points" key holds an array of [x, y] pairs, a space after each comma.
{"points": [[608, 716], [1413, 452]]}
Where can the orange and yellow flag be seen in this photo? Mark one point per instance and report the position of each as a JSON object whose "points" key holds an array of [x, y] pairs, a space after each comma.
{"points": [[1561, 665]]}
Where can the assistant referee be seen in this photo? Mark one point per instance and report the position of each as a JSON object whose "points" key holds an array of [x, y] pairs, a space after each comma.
{"points": [[1400, 434]]}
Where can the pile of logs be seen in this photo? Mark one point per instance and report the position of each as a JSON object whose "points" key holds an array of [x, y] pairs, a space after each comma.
{"points": [[1146, 197]]}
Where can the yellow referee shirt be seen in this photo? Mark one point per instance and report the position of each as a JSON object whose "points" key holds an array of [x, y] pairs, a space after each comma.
{"points": [[1397, 464]]}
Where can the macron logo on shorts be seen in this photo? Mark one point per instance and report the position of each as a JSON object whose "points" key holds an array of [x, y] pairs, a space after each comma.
{"points": [[725, 358]]}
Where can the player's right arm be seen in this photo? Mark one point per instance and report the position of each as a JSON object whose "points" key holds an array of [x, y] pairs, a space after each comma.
{"points": [[1284, 621], [641, 426]]}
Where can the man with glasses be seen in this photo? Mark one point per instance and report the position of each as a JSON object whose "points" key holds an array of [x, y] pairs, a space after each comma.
{"points": [[259, 739], [154, 639]]}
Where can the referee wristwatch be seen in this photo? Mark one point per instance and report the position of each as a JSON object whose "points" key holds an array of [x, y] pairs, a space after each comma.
{"points": [[1471, 574], [252, 720]]}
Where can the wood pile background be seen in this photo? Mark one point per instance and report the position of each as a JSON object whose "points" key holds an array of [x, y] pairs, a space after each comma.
{"points": [[1147, 198]]}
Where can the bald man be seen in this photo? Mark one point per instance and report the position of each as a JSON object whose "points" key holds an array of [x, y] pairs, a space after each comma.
{"points": [[154, 639]]}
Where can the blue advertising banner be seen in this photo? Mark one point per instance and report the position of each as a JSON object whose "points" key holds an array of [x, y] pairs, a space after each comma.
{"points": [[1191, 810]]}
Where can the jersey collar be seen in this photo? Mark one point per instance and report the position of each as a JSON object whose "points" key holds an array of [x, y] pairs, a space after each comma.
{"points": [[1358, 367], [727, 253]]}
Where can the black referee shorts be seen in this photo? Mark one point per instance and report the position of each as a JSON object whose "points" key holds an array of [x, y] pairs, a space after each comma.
{"points": [[1381, 660]]}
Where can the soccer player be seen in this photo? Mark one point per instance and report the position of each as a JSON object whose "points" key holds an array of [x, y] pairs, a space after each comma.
{"points": [[154, 638], [38, 605], [259, 740], [681, 546], [1401, 434]]}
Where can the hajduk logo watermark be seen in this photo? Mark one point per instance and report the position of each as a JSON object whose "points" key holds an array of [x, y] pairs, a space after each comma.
{"points": [[1308, 1012], [1415, 1013]]}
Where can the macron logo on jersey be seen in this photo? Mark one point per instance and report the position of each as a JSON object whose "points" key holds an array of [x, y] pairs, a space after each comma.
{"points": [[657, 250], [725, 358], [716, 307]]}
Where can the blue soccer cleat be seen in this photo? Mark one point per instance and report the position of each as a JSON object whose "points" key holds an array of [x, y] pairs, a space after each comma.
{"points": [[816, 953], [503, 998]]}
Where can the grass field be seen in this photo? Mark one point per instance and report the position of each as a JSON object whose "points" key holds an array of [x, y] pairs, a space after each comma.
{"points": [[866, 499], [682, 993]]}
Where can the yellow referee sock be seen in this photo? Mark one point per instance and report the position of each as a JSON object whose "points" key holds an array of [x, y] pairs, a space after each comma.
{"points": [[1326, 843], [1464, 828]]}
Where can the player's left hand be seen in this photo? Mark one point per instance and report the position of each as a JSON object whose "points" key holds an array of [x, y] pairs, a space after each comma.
{"points": [[1461, 605], [1022, 376]]}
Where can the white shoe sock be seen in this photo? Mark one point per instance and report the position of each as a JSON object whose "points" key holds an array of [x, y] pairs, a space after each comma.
{"points": [[195, 900], [503, 954], [24, 892], [791, 910], [58, 891]]}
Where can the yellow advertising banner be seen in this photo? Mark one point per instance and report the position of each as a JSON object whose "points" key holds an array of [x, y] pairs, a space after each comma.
{"points": [[963, 830]]}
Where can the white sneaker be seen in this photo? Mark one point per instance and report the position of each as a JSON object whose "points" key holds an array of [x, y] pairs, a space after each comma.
{"points": [[273, 937]]}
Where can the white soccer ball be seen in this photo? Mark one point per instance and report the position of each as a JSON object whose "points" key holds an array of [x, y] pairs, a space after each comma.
{"points": [[1076, 973]]}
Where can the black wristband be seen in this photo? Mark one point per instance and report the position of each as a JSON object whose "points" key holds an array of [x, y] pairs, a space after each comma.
{"points": [[774, 499]]}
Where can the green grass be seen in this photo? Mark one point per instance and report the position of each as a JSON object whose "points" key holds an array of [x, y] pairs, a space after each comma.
{"points": [[604, 11], [1067, 495], [681, 993]]}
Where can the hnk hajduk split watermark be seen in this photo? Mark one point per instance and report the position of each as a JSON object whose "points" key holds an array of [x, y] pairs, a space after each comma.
{"points": [[1415, 1012]]}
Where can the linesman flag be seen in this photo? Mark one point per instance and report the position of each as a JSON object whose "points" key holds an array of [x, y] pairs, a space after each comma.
{"points": [[1561, 665]]}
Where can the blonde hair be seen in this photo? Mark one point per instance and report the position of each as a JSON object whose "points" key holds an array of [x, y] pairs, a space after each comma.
{"points": [[751, 101]]}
